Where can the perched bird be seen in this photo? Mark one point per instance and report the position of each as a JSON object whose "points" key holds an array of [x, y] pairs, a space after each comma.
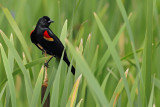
{"points": [[47, 41]]}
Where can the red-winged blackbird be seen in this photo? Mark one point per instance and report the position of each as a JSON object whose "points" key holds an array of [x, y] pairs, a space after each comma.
{"points": [[47, 41]]}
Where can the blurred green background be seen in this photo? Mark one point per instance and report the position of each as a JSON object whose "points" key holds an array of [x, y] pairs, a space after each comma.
{"points": [[137, 48]]}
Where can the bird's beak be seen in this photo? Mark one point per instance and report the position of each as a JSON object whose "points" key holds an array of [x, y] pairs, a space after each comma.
{"points": [[50, 21]]}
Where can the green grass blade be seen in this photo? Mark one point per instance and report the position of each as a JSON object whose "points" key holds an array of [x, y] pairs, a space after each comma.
{"points": [[73, 96], [37, 89], [106, 55], [24, 62], [79, 35], [55, 88], [85, 70], [83, 91], [131, 54], [118, 90], [152, 95], [11, 63], [64, 33], [94, 60], [147, 54], [124, 14], [2, 91], [113, 53], [81, 46], [8, 96], [28, 65], [87, 48], [103, 85], [9, 76], [156, 18], [18, 32], [79, 103], [157, 82], [1, 104], [134, 88], [31, 64], [105, 81], [20, 63], [10, 56], [65, 93]]}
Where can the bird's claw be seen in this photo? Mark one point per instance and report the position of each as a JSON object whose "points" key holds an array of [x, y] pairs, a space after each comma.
{"points": [[43, 51], [46, 65]]}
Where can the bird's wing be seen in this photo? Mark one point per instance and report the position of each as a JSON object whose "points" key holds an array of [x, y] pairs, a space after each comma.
{"points": [[47, 36], [57, 44], [51, 39], [50, 36]]}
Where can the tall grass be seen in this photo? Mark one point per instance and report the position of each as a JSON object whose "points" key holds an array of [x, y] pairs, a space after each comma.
{"points": [[101, 42]]}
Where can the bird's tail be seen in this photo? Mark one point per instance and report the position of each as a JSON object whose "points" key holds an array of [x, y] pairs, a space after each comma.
{"points": [[68, 63], [73, 70]]}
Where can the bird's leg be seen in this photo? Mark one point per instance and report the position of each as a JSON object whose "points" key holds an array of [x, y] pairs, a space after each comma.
{"points": [[43, 51], [46, 64], [41, 48]]}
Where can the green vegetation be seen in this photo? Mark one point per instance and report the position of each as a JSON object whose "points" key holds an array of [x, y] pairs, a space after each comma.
{"points": [[113, 44]]}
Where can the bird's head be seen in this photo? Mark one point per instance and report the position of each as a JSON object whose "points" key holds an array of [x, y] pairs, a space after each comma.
{"points": [[44, 21]]}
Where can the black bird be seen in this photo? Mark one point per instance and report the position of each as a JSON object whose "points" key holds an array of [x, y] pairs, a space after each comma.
{"points": [[47, 41]]}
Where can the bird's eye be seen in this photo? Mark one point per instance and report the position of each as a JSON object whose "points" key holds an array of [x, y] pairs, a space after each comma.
{"points": [[45, 20]]}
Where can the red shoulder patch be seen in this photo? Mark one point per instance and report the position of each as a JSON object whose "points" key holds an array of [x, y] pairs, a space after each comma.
{"points": [[45, 34], [31, 32], [47, 37]]}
